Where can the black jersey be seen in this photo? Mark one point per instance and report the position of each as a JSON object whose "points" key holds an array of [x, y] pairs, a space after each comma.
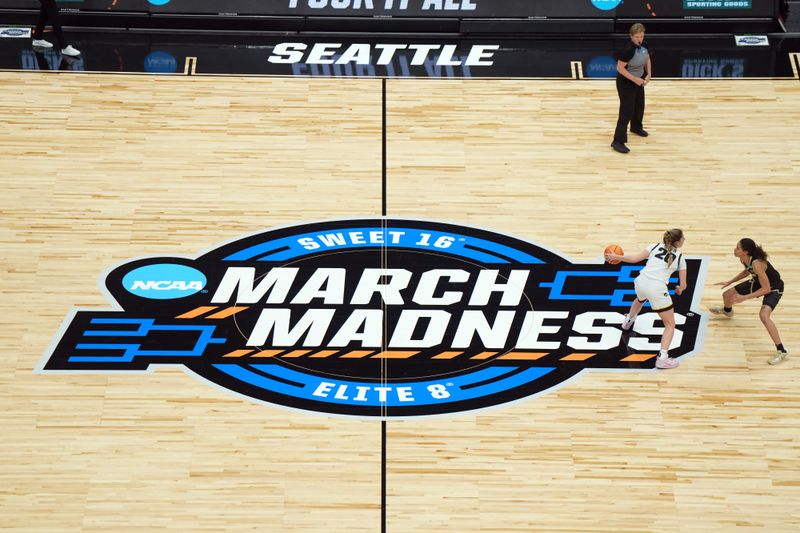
{"points": [[774, 277]]}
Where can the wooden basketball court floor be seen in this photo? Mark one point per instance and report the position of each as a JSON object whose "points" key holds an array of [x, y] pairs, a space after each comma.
{"points": [[99, 169]]}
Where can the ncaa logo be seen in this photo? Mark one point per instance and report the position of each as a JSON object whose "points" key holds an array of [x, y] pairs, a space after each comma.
{"points": [[164, 281], [374, 318]]}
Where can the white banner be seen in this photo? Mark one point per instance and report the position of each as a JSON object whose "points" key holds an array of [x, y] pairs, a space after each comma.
{"points": [[752, 40], [15, 33]]}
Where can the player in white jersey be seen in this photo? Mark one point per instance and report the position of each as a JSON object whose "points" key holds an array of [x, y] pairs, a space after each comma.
{"points": [[663, 259]]}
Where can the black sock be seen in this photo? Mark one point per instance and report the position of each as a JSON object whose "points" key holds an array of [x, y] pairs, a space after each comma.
{"points": [[728, 309], [780, 348]]}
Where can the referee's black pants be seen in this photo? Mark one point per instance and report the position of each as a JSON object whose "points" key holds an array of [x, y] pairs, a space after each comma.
{"points": [[631, 108], [49, 13]]}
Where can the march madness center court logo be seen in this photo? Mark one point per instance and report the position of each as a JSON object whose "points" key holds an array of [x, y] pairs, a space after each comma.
{"points": [[374, 318]]}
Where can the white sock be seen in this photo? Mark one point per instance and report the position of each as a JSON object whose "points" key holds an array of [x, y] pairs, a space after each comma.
{"points": [[663, 354]]}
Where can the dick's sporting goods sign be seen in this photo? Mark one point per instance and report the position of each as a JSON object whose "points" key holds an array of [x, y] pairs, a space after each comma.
{"points": [[373, 317]]}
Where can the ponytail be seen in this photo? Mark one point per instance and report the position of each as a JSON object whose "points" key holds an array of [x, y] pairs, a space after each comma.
{"points": [[670, 238]]}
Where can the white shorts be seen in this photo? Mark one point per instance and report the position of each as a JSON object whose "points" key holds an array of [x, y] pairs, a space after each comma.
{"points": [[654, 291]]}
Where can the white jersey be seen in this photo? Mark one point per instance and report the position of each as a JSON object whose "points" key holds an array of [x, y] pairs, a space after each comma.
{"points": [[657, 267]]}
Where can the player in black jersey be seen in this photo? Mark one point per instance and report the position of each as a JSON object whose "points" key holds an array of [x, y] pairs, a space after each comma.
{"points": [[764, 281]]}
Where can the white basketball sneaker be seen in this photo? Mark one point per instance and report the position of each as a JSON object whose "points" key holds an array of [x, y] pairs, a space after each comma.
{"points": [[666, 362], [779, 357], [70, 51], [41, 43], [719, 310]]}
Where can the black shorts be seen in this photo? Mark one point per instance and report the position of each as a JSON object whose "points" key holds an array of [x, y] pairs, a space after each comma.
{"points": [[751, 286]]}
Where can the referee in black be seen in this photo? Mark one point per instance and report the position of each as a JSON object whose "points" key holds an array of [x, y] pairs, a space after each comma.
{"points": [[634, 71]]}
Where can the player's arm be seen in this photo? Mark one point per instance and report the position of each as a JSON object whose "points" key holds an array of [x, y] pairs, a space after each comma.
{"points": [[760, 270], [741, 275], [628, 258], [681, 281]]}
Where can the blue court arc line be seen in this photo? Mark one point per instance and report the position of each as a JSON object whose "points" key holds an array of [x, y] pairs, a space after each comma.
{"points": [[347, 390], [473, 248]]}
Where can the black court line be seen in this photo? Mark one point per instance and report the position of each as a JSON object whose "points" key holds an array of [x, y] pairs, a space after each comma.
{"points": [[383, 213], [383, 148], [383, 476]]}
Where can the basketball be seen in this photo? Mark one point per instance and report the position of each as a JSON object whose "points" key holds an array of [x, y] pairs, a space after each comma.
{"points": [[613, 249]]}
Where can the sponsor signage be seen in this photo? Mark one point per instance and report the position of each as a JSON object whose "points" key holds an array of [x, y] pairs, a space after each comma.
{"points": [[15, 33], [399, 8], [717, 4], [713, 67], [752, 40], [462, 9], [373, 318]]}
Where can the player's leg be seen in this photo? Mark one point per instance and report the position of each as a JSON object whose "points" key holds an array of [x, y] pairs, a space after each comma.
{"points": [[662, 304], [726, 309], [641, 294], [668, 318], [765, 314], [630, 318]]}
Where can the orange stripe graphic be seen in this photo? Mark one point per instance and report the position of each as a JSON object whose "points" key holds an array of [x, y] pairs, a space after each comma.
{"points": [[523, 356], [447, 355], [638, 357], [225, 313], [357, 354], [483, 355], [199, 311], [268, 353], [238, 353], [577, 357], [323, 353], [295, 353], [394, 355]]}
